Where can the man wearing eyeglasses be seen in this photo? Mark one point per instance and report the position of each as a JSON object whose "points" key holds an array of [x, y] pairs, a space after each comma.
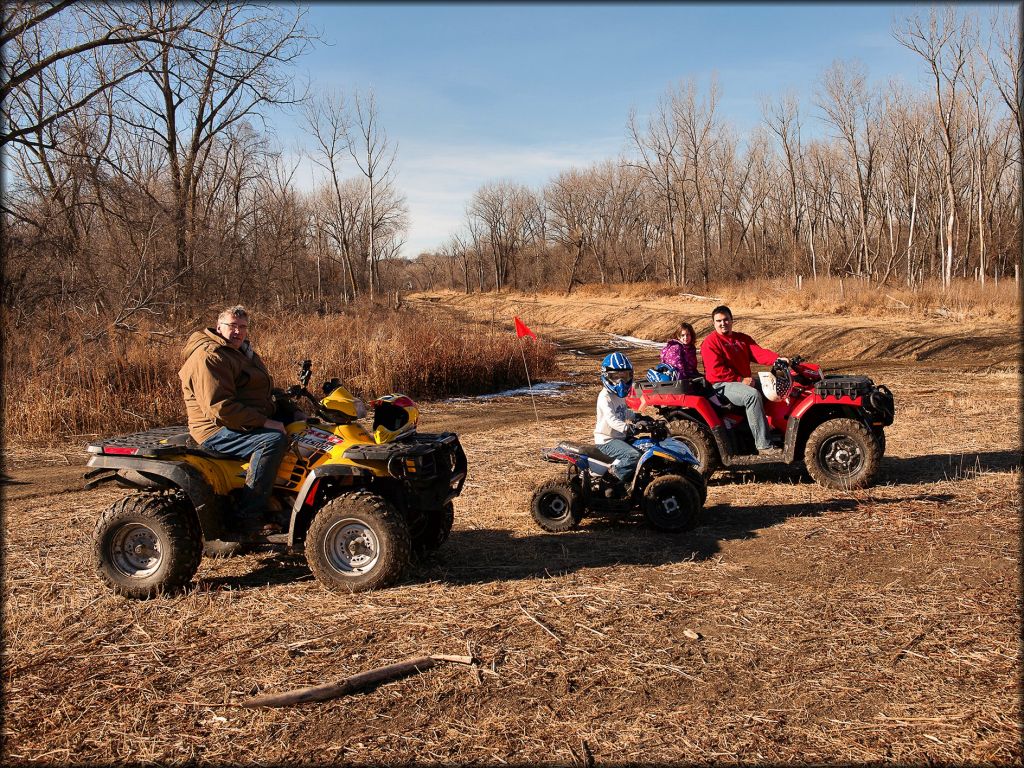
{"points": [[230, 408]]}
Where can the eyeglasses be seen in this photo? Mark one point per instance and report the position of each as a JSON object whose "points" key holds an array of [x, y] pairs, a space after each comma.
{"points": [[236, 326]]}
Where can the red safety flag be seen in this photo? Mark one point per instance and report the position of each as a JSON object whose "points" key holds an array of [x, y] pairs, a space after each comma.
{"points": [[522, 330]]}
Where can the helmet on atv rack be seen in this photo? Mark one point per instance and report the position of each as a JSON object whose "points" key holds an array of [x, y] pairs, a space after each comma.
{"points": [[617, 373], [393, 417], [663, 373], [776, 383]]}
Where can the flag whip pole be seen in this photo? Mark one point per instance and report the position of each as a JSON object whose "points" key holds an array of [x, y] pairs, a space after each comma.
{"points": [[523, 330], [529, 386]]}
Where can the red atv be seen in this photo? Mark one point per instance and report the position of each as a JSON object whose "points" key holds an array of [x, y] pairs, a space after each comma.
{"points": [[833, 424]]}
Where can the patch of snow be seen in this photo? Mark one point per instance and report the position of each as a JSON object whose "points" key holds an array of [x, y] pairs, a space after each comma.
{"points": [[635, 342], [542, 388]]}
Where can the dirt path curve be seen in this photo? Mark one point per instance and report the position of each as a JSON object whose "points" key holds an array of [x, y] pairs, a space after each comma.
{"points": [[830, 339]]}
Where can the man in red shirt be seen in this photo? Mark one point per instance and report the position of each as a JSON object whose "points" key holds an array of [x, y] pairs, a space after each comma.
{"points": [[727, 355]]}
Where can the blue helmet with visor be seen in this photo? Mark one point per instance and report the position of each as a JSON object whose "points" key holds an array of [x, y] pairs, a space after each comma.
{"points": [[663, 373], [617, 373]]}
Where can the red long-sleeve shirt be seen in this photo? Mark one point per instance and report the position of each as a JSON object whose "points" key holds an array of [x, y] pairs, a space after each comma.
{"points": [[728, 358]]}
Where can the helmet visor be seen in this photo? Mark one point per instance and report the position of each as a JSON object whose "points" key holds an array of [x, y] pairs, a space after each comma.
{"points": [[619, 377]]}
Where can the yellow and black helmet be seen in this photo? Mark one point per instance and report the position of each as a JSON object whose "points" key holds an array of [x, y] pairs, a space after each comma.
{"points": [[393, 417]]}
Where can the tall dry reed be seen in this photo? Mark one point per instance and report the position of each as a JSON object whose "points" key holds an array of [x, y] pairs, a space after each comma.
{"points": [[67, 387]]}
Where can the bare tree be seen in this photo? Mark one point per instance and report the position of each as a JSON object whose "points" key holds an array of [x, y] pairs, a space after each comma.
{"points": [[60, 55], [226, 67], [783, 119], [659, 148], [375, 158], [572, 210], [1003, 57], [945, 43], [695, 119], [501, 213], [329, 123], [852, 108]]}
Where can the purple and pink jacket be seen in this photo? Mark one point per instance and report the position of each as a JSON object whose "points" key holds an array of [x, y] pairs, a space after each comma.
{"points": [[682, 357]]}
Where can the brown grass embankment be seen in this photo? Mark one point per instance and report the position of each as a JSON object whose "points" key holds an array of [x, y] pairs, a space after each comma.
{"points": [[962, 300], [74, 387]]}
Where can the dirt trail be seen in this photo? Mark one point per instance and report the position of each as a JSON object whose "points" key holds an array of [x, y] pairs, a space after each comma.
{"points": [[830, 339]]}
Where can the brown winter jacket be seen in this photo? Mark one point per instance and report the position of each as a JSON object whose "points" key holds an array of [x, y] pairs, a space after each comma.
{"points": [[223, 387]]}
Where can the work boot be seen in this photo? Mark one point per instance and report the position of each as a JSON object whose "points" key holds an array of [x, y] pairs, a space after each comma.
{"points": [[253, 523], [772, 452]]}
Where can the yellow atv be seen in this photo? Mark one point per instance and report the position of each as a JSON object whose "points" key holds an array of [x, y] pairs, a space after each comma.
{"points": [[357, 504]]}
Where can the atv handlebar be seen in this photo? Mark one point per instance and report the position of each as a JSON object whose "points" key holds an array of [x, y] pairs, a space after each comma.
{"points": [[655, 428], [805, 374]]}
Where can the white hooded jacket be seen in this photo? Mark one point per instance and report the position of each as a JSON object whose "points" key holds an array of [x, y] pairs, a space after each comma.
{"points": [[613, 417]]}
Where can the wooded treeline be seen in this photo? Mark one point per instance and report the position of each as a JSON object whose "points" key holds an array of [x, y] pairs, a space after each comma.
{"points": [[141, 177], [906, 186]]}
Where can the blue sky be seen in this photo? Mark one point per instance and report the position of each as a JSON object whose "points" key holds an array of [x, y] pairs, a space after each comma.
{"points": [[475, 93]]}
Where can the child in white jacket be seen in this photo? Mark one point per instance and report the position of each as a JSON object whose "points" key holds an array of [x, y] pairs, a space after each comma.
{"points": [[614, 417]]}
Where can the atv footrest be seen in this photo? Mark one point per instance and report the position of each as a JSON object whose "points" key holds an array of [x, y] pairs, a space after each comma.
{"points": [[746, 460]]}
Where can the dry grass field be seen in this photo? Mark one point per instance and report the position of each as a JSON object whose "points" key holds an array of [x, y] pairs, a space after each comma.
{"points": [[798, 625]]}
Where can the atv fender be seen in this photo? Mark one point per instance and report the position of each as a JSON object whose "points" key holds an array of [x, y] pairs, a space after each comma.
{"points": [[307, 491], [178, 474], [684, 406]]}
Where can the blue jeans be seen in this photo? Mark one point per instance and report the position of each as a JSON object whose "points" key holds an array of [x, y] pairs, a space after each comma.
{"points": [[738, 393], [264, 448], [625, 455]]}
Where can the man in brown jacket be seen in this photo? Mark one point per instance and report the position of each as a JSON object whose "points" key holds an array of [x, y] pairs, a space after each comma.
{"points": [[230, 409]]}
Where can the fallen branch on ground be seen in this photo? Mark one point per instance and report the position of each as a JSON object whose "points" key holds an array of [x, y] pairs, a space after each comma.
{"points": [[353, 683]]}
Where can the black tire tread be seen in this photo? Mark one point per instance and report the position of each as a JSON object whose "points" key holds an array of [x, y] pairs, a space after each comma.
{"points": [[869, 446], [700, 439], [435, 530], [170, 511], [574, 513], [395, 554], [687, 521], [694, 475], [219, 550]]}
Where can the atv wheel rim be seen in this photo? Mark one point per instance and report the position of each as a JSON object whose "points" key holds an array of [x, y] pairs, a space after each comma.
{"points": [[841, 456], [351, 547], [135, 550], [554, 506], [669, 506]]}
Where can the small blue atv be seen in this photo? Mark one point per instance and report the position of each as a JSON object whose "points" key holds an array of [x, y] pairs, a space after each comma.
{"points": [[666, 486]]}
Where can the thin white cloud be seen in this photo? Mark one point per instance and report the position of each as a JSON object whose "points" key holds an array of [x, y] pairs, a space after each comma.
{"points": [[439, 181]]}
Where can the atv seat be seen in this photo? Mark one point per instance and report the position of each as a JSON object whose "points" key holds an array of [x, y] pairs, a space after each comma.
{"points": [[184, 440], [698, 385], [589, 450]]}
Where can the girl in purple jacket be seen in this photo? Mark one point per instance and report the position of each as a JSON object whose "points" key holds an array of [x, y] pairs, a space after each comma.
{"points": [[681, 352]]}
